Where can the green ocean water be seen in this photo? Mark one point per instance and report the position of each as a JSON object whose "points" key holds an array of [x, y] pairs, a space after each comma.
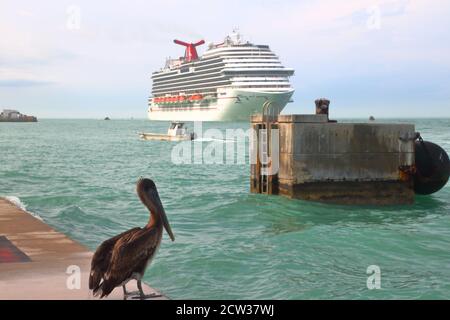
{"points": [[79, 176]]}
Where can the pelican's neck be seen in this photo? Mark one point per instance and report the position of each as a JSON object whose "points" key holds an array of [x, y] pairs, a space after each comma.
{"points": [[154, 219]]}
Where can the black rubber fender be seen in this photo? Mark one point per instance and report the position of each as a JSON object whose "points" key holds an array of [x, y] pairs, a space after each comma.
{"points": [[432, 167]]}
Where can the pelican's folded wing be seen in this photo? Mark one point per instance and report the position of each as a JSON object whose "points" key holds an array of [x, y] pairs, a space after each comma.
{"points": [[130, 255], [102, 259]]}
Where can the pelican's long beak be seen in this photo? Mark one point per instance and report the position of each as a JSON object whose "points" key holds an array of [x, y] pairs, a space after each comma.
{"points": [[162, 213]]}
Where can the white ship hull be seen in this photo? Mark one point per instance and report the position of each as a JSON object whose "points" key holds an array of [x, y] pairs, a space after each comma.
{"points": [[232, 105]]}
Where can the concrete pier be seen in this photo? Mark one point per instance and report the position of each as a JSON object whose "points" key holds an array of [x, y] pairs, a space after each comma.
{"points": [[313, 158], [38, 262]]}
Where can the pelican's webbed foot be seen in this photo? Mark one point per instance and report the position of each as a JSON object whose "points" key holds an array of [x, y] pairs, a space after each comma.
{"points": [[131, 294], [142, 295], [147, 296]]}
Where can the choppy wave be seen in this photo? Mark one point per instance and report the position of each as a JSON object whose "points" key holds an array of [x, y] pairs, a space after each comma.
{"points": [[18, 203]]}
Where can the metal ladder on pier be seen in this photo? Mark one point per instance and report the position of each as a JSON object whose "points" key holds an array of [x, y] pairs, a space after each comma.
{"points": [[265, 170]]}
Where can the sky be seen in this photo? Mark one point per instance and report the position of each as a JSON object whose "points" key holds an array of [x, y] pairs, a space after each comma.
{"points": [[91, 59]]}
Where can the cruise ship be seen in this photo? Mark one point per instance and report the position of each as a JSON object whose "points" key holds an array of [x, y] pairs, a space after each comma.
{"points": [[231, 81]]}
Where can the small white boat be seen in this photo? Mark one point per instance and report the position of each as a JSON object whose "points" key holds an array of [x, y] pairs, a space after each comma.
{"points": [[176, 132]]}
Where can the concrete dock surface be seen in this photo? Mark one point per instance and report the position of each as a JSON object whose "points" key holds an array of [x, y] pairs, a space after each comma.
{"points": [[38, 262]]}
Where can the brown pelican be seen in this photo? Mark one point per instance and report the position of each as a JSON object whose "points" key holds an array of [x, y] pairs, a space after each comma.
{"points": [[126, 256]]}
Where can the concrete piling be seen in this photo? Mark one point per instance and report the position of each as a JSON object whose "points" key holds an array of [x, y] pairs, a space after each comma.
{"points": [[346, 163]]}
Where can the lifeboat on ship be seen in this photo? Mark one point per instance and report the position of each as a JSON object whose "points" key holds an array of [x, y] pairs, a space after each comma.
{"points": [[195, 97]]}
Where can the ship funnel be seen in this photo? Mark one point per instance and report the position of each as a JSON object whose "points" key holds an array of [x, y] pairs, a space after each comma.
{"points": [[191, 52]]}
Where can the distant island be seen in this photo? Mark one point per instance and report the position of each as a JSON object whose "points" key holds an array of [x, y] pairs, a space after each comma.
{"points": [[9, 115]]}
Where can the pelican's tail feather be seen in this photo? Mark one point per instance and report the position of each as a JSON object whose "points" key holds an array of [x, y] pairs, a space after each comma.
{"points": [[95, 282], [105, 289], [99, 291]]}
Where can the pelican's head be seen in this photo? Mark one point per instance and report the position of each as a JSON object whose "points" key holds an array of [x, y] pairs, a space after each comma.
{"points": [[147, 192]]}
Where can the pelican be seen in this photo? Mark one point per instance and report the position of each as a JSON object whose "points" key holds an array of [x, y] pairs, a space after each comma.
{"points": [[126, 256]]}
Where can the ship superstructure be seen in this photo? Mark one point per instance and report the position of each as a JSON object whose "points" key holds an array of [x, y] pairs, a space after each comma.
{"points": [[230, 81]]}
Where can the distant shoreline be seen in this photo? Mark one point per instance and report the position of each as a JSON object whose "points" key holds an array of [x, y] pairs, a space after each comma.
{"points": [[336, 118], [18, 120]]}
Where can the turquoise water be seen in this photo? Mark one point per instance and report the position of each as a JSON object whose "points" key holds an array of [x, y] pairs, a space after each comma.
{"points": [[80, 175]]}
